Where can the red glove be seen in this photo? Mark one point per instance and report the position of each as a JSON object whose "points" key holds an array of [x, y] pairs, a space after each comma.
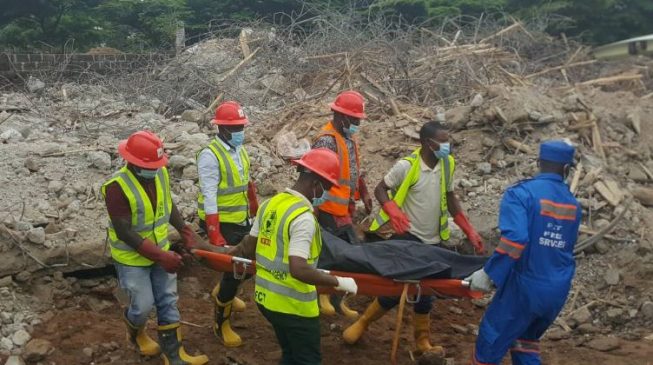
{"points": [[170, 261], [213, 229], [398, 219], [251, 197], [365, 195], [352, 209], [188, 237], [461, 221]]}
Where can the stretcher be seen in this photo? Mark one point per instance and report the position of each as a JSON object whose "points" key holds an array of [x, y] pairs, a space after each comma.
{"points": [[368, 284]]}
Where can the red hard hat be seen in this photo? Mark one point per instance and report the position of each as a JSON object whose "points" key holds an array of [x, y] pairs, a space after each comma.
{"points": [[323, 162], [143, 149], [229, 113], [350, 103]]}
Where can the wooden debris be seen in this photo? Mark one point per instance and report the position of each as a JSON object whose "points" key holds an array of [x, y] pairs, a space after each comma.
{"points": [[646, 170], [244, 46], [609, 191], [514, 26], [635, 121], [500, 115], [518, 146], [576, 179], [612, 79], [644, 195], [562, 67], [597, 142], [603, 231], [591, 176]]}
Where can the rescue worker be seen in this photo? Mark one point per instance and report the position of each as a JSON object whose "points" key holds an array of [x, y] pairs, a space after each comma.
{"points": [[533, 265], [418, 210], [286, 241], [226, 202], [336, 214], [140, 209]]}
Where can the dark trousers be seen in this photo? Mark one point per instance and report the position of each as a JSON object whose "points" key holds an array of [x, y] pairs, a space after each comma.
{"points": [[327, 221], [425, 302], [299, 337], [233, 234]]}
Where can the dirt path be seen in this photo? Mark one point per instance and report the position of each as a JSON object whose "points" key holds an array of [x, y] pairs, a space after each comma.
{"points": [[76, 326]]}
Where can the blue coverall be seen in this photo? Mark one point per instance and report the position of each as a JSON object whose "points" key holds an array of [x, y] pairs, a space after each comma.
{"points": [[532, 268]]}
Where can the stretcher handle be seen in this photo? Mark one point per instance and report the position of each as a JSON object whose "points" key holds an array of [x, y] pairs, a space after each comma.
{"points": [[244, 263]]}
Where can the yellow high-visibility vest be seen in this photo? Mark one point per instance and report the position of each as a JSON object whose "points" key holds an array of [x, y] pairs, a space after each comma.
{"points": [[447, 166], [147, 222], [276, 289], [232, 201]]}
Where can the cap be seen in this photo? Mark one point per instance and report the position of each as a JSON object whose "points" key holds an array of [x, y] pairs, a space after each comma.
{"points": [[557, 151]]}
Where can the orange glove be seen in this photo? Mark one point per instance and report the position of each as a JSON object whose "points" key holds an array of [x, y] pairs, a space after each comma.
{"points": [[213, 230], [398, 219], [461, 221], [251, 198]]}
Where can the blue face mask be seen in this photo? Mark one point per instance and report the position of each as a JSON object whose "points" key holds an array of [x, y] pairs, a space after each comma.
{"points": [[147, 174], [353, 129], [322, 199], [237, 138], [443, 152]]}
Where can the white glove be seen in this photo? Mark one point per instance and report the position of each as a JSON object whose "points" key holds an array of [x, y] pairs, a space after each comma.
{"points": [[346, 284], [480, 281]]}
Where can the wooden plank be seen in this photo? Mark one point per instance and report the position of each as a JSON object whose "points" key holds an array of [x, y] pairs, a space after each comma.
{"points": [[517, 145], [576, 178], [606, 193]]}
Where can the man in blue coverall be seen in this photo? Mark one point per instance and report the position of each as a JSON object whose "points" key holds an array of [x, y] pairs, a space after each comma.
{"points": [[533, 265]]}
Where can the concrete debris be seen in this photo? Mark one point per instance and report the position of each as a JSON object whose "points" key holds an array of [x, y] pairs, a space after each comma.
{"points": [[193, 116], [37, 349], [88, 352], [459, 329], [20, 338], [15, 360], [612, 276], [476, 101], [557, 334], [6, 281], [604, 344], [100, 160], [32, 165], [647, 310], [582, 315], [178, 162], [36, 235], [6, 344], [11, 135], [485, 168], [35, 85]]}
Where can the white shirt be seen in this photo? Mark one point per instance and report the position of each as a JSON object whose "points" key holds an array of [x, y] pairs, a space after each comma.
{"points": [[301, 230], [208, 169], [422, 204]]}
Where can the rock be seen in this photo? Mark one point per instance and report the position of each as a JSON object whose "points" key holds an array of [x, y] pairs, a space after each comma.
{"points": [[600, 223], [6, 344], [36, 235], [476, 101], [20, 337], [588, 328], [34, 84], [88, 352], [484, 168], [15, 360], [178, 162], [473, 329], [193, 116], [546, 119], [190, 173], [604, 344], [458, 328], [100, 159], [266, 188], [534, 115], [647, 310], [612, 276], [637, 174], [23, 276], [6, 281], [32, 165], [614, 313], [644, 195], [582, 315], [458, 116], [455, 310], [37, 349], [482, 302], [11, 135], [602, 247], [557, 334], [489, 142], [55, 186]]}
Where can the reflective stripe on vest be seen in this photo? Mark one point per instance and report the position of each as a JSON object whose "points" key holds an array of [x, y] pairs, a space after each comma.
{"points": [[338, 197], [276, 289], [232, 199], [148, 224], [447, 167]]}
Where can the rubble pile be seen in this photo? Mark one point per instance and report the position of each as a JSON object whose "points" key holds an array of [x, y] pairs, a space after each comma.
{"points": [[58, 144]]}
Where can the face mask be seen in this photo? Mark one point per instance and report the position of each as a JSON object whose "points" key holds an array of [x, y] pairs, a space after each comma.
{"points": [[147, 174], [443, 152], [322, 199], [353, 129], [237, 138]]}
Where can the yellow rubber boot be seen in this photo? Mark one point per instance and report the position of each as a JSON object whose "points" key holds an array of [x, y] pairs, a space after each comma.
{"points": [[145, 345], [326, 307], [344, 308], [238, 304], [173, 350], [422, 328], [222, 326], [353, 333]]}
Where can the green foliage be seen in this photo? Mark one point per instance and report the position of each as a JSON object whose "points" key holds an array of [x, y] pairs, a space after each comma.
{"points": [[132, 25]]}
